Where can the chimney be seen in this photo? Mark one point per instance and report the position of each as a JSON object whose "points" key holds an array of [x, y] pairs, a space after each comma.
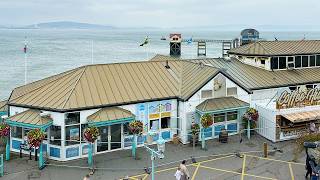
{"points": [[167, 65]]}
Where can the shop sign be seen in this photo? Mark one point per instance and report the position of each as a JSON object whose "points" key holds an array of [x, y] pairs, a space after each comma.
{"points": [[298, 98], [294, 132], [154, 116], [166, 114]]}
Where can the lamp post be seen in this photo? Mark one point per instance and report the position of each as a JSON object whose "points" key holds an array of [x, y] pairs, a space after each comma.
{"points": [[156, 154]]}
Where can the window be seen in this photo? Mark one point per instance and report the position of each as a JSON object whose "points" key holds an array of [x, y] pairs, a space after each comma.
{"points": [[318, 60], [219, 118], [298, 62], [231, 116], [290, 59], [310, 86], [312, 62], [231, 91], [73, 118], [154, 124], [274, 63], [72, 122], [126, 130], [305, 61], [55, 135], [282, 62], [165, 122], [72, 134], [16, 132], [263, 61], [83, 127], [206, 94], [290, 62]]}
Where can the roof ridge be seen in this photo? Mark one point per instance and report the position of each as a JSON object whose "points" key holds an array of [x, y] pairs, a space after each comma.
{"points": [[62, 76], [75, 85]]}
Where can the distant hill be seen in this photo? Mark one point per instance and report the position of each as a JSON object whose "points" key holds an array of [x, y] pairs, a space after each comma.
{"points": [[67, 25]]}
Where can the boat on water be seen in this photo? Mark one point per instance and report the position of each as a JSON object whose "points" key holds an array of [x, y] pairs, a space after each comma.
{"points": [[163, 38]]}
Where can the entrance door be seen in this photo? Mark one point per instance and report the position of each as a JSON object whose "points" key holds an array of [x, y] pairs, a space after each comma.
{"points": [[115, 136], [103, 143]]}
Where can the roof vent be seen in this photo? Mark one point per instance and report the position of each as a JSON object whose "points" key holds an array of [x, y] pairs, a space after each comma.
{"points": [[167, 65], [201, 65]]}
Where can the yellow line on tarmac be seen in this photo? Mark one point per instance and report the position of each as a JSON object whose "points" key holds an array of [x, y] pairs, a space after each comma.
{"points": [[216, 159], [243, 166], [145, 177], [163, 170], [195, 172], [276, 160], [291, 172]]}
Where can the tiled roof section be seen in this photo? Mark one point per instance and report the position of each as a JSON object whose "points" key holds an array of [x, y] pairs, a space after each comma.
{"points": [[253, 78], [109, 114], [3, 106], [31, 116], [274, 48], [217, 104], [114, 84]]}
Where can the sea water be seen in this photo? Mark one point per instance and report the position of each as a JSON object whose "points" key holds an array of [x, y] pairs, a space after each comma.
{"points": [[54, 51]]}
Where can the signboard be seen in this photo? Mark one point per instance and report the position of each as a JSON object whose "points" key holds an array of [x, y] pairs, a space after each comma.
{"points": [[141, 112], [298, 98]]}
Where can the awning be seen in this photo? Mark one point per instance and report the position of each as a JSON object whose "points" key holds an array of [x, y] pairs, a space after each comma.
{"points": [[302, 116], [109, 116], [221, 104], [30, 119]]}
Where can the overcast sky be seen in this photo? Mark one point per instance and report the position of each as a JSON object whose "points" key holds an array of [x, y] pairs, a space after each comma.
{"points": [[162, 13]]}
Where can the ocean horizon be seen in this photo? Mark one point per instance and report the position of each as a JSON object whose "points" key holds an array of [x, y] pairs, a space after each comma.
{"points": [[52, 51]]}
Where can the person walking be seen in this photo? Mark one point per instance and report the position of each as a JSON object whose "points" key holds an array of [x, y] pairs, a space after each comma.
{"points": [[178, 174], [184, 170]]}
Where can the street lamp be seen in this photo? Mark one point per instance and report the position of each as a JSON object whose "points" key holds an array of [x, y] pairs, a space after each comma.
{"points": [[156, 153]]}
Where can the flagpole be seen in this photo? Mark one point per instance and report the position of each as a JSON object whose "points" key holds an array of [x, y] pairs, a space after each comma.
{"points": [[25, 61]]}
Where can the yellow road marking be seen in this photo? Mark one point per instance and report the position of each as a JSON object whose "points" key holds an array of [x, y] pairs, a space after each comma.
{"points": [[291, 172], [216, 159], [234, 172], [195, 172], [243, 166], [145, 177], [276, 160], [138, 175]]}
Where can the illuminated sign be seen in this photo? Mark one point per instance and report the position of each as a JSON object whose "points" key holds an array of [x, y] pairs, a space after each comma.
{"points": [[298, 98]]}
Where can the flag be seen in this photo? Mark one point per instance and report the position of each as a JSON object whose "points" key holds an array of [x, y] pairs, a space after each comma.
{"points": [[146, 41], [189, 41], [25, 48]]}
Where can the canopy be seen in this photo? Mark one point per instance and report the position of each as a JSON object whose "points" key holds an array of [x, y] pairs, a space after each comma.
{"points": [[30, 119], [302, 116], [221, 104], [110, 115]]}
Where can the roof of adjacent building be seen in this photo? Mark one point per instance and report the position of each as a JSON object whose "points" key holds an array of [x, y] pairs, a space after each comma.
{"points": [[223, 103], [253, 78], [278, 48], [3, 106], [110, 114], [32, 117], [101, 85], [303, 116]]}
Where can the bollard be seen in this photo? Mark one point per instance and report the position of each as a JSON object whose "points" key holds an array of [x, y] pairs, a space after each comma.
{"points": [[265, 150]]}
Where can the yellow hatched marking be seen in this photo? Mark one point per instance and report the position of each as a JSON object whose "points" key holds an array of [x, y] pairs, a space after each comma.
{"points": [[243, 166], [163, 170], [216, 159], [276, 160], [291, 172], [195, 172], [234, 172]]}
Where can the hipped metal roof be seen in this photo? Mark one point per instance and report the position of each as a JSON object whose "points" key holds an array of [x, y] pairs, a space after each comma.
{"points": [[30, 118], [220, 104], [278, 48], [302, 116], [110, 114], [96, 86], [3, 106]]}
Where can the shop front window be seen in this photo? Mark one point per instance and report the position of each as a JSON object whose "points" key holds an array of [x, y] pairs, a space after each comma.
{"points": [[165, 122], [72, 134], [55, 135], [16, 132], [219, 118], [154, 124], [72, 118], [126, 130], [83, 128], [231, 116]]}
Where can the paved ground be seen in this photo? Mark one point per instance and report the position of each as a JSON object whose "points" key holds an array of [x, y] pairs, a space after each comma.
{"points": [[218, 162]]}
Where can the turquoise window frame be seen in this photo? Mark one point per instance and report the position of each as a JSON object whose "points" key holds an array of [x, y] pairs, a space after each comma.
{"points": [[112, 122]]}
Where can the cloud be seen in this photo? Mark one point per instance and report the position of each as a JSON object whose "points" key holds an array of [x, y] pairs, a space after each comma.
{"points": [[162, 13]]}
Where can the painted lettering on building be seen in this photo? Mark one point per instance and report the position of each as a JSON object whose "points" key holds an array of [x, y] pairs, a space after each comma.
{"points": [[298, 98]]}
